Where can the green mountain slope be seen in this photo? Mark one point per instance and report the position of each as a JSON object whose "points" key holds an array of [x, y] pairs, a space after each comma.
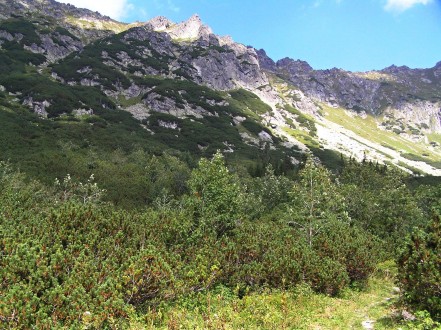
{"points": [[179, 88]]}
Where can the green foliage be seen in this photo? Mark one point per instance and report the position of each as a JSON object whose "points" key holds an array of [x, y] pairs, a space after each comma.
{"points": [[64, 32], [71, 68], [153, 232], [379, 200], [255, 128], [436, 164], [62, 98], [15, 59], [429, 198], [419, 265], [316, 201], [75, 66], [423, 321], [167, 176], [72, 261], [250, 101], [216, 195], [266, 193], [182, 91], [303, 120], [85, 193], [353, 248], [22, 26]]}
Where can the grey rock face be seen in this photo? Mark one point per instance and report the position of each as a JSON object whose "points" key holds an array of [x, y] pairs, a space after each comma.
{"points": [[191, 29], [168, 105], [265, 61], [294, 66], [423, 114], [82, 112], [6, 35], [49, 8], [39, 107], [224, 71], [58, 12], [204, 61], [159, 23], [53, 51], [410, 94]]}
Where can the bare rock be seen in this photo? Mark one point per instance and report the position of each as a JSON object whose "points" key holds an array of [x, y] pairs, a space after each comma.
{"points": [[39, 107], [407, 316], [191, 29], [160, 23], [82, 112]]}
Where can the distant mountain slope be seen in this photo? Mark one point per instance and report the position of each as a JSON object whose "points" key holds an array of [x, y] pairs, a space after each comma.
{"points": [[398, 109], [413, 93], [190, 90]]}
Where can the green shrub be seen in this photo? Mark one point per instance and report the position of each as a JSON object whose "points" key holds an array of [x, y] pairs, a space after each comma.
{"points": [[20, 25], [65, 32], [325, 275], [419, 265], [356, 250], [250, 101], [216, 194], [255, 127]]}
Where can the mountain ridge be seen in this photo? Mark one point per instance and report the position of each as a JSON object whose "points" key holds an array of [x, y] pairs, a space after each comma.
{"points": [[132, 63]]}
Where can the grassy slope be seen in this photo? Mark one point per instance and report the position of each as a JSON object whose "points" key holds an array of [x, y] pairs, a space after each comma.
{"points": [[293, 309], [368, 129]]}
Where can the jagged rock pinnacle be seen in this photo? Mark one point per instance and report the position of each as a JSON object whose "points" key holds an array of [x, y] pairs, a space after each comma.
{"points": [[193, 28], [160, 23]]}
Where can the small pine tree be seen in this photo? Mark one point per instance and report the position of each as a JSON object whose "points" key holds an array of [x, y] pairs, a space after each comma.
{"points": [[316, 201]]}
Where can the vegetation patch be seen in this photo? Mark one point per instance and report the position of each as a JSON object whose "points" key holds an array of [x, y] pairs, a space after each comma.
{"points": [[303, 120], [251, 101]]}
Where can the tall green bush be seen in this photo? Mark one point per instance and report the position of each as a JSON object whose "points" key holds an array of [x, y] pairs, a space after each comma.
{"points": [[216, 195], [419, 265]]}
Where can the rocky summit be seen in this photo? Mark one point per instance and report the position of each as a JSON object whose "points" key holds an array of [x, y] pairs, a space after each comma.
{"points": [[173, 79]]}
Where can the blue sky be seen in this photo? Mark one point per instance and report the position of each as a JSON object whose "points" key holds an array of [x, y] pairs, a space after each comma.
{"points": [[357, 35]]}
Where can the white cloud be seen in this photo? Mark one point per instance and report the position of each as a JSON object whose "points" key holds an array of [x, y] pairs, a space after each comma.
{"points": [[402, 5], [116, 9]]}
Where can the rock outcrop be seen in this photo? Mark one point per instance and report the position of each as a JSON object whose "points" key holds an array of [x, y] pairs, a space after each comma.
{"points": [[410, 94], [192, 29]]}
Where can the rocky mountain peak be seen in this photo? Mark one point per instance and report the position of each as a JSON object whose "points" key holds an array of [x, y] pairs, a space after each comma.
{"points": [[191, 29], [265, 61], [48, 7], [226, 40], [160, 23], [294, 66], [195, 18], [395, 69]]}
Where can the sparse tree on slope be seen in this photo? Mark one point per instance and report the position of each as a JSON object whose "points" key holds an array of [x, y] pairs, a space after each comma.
{"points": [[316, 201], [217, 195]]}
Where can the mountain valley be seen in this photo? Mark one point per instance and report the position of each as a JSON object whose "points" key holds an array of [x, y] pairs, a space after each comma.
{"points": [[155, 175]]}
